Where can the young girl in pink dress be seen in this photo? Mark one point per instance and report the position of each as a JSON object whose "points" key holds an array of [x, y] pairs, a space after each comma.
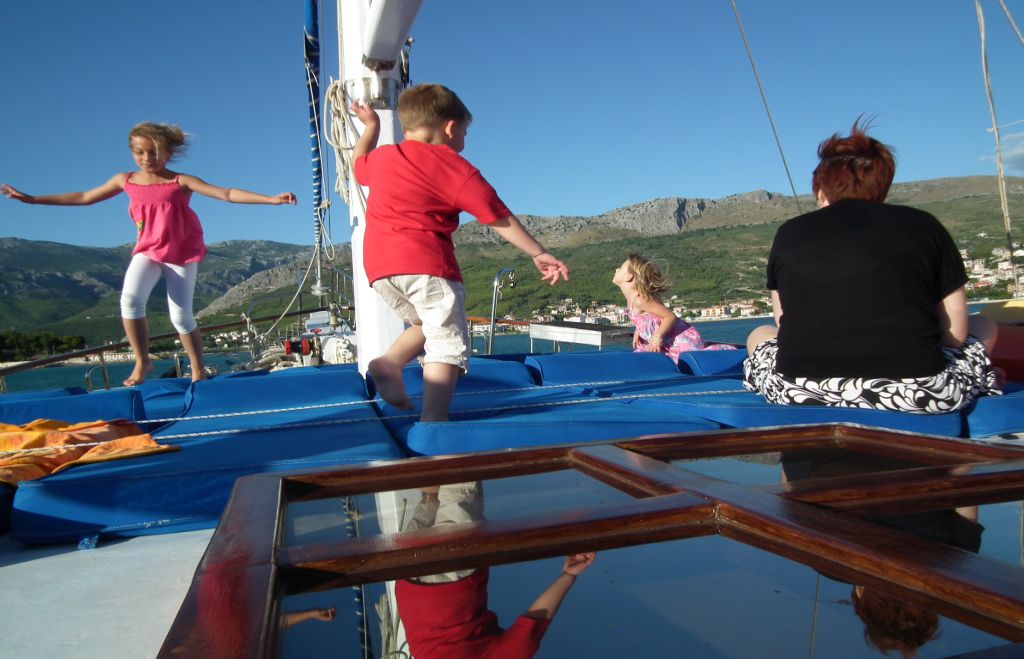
{"points": [[657, 328], [170, 238]]}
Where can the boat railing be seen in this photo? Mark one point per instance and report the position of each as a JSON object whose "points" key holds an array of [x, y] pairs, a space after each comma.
{"points": [[100, 351], [489, 325]]}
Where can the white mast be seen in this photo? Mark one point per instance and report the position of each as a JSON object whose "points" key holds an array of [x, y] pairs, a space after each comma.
{"points": [[372, 35]]}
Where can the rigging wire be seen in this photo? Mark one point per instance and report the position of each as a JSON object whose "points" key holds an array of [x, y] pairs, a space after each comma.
{"points": [[1000, 175], [764, 101], [1013, 23]]}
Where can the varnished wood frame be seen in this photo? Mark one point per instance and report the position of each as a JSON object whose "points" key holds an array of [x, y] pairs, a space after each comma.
{"points": [[812, 522]]}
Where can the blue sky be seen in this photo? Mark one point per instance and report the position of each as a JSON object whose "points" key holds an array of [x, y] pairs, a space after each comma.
{"points": [[580, 107]]}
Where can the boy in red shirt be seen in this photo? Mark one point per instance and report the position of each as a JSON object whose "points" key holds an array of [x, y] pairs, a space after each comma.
{"points": [[417, 190]]}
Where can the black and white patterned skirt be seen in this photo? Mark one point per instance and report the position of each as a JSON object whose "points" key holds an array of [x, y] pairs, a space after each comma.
{"points": [[968, 374]]}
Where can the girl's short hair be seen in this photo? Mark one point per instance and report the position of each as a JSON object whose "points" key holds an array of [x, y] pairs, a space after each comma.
{"points": [[430, 105], [854, 167], [650, 282], [168, 138]]}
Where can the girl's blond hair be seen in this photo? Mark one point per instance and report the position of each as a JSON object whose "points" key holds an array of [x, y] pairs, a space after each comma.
{"points": [[649, 280], [168, 138]]}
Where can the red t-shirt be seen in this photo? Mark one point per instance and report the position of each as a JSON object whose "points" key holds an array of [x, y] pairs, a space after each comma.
{"points": [[417, 191], [452, 621]]}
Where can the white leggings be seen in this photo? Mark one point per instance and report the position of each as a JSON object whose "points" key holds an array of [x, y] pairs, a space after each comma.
{"points": [[142, 275]]}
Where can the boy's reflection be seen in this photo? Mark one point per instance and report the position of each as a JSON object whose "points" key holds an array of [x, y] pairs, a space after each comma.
{"points": [[446, 615], [890, 623]]}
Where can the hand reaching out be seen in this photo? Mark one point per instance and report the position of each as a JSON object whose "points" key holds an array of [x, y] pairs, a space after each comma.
{"points": [[285, 198], [550, 268], [575, 564]]}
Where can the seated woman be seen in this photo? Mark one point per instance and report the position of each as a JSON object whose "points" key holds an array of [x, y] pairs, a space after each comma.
{"points": [[868, 298]]}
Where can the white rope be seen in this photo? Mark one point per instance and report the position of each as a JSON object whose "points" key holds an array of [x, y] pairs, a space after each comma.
{"points": [[764, 101], [225, 415], [999, 148]]}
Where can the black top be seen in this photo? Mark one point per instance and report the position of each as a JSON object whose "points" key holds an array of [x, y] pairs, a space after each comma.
{"points": [[860, 283]]}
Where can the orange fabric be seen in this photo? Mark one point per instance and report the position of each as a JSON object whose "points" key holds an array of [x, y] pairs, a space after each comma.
{"points": [[119, 439]]}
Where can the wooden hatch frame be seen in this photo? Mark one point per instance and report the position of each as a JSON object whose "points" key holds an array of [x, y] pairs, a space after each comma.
{"points": [[232, 604]]}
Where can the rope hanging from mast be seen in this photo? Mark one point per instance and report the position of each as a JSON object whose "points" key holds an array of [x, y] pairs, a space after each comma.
{"points": [[764, 101], [995, 133]]}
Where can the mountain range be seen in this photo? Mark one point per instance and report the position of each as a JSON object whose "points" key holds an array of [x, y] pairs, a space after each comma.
{"points": [[714, 249]]}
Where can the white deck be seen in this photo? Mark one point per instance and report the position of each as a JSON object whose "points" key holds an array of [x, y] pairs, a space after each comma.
{"points": [[117, 600]]}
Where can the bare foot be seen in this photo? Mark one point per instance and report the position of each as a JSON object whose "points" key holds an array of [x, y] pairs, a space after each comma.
{"points": [[139, 374], [200, 375], [387, 378]]}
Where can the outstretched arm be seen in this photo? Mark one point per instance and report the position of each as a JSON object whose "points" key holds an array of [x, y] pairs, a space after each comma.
{"points": [[546, 605], [368, 140], [550, 267], [233, 195], [109, 189]]}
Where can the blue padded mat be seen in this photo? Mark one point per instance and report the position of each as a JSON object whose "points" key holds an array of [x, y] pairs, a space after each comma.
{"points": [[497, 405], [569, 367], [997, 415], [261, 399], [187, 489], [723, 400], [712, 362], [582, 422], [163, 397], [96, 406]]}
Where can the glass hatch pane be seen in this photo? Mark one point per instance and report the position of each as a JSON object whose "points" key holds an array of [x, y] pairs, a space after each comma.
{"points": [[516, 497], [769, 468], [704, 597]]}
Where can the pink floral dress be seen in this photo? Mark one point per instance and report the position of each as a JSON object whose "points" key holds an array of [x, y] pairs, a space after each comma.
{"points": [[683, 336]]}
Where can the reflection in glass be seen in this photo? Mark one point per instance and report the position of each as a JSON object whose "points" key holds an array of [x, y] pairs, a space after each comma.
{"points": [[891, 623], [446, 615]]}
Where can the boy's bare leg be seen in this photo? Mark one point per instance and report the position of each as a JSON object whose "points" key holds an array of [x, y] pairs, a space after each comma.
{"points": [[137, 331], [438, 386], [386, 370], [193, 345]]}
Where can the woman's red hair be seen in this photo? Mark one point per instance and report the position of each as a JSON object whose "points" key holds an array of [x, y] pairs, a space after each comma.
{"points": [[854, 167]]}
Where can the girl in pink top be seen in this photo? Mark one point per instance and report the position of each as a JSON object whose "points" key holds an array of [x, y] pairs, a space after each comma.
{"points": [[170, 238], [657, 328]]}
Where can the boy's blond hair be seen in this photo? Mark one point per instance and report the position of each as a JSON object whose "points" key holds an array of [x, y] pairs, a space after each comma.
{"points": [[430, 105]]}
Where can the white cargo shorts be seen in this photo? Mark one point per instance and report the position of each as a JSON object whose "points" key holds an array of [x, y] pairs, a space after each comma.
{"points": [[439, 305]]}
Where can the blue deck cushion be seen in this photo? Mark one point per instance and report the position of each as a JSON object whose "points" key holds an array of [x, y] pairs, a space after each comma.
{"points": [[545, 426], [997, 415], [187, 489], [262, 399], [163, 398], [96, 406], [712, 362], [182, 490], [721, 399], [576, 367], [489, 388], [46, 393]]}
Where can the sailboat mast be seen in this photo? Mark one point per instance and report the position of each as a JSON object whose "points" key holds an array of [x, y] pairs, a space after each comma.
{"points": [[371, 37]]}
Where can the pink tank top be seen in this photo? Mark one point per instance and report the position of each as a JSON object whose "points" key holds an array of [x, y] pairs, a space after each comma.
{"points": [[169, 231]]}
